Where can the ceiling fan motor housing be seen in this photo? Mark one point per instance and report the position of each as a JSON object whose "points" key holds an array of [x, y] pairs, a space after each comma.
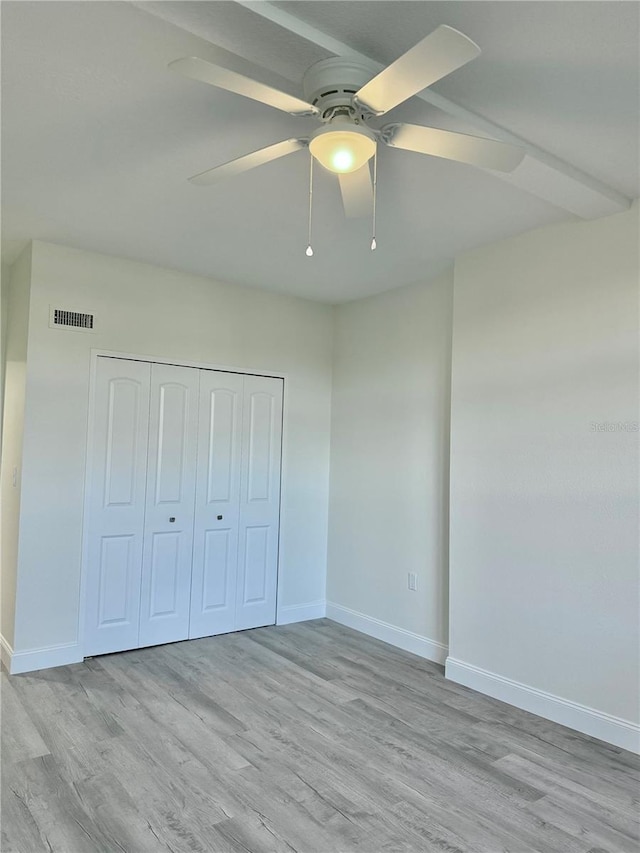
{"points": [[331, 84]]}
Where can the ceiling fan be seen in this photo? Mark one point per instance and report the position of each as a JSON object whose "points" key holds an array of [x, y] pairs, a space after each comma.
{"points": [[347, 96]]}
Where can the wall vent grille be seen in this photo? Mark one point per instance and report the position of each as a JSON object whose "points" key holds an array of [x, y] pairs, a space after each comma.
{"points": [[78, 320]]}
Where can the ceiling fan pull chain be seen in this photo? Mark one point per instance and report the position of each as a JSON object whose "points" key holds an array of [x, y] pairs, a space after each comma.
{"points": [[375, 186], [309, 250]]}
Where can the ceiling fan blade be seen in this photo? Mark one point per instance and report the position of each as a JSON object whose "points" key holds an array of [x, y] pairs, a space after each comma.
{"points": [[223, 78], [248, 161], [357, 192], [437, 55], [486, 153]]}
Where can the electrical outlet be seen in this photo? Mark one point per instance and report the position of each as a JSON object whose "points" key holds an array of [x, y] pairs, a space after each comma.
{"points": [[412, 581]]}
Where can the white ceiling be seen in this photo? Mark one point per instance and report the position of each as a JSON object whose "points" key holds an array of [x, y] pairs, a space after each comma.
{"points": [[98, 137]]}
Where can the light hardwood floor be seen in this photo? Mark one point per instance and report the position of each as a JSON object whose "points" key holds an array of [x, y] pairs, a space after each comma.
{"points": [[308, 737]]}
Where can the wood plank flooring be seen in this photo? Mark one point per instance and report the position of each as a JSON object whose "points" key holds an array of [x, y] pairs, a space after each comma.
{"points": [[309, 738]]}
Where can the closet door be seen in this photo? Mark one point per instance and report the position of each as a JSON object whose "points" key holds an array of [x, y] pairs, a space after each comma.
{"points": [[116, 505], [215, 553], [259, 502], [168, 528]]}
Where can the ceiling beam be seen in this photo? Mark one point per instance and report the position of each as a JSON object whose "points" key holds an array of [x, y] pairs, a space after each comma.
{"points": [[540, 173]]}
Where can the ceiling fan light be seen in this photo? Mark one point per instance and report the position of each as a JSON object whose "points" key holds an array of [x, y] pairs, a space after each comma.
{"points": [[342, 151]]}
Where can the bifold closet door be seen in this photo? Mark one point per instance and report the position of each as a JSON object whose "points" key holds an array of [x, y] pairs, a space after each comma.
{"points": [[168, 526], [235, 563], [183, 514], [118, 471], [215, 552], [259, 502]]}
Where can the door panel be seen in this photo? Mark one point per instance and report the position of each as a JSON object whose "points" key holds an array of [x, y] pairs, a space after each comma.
{"points": [[121, 442], [221, 423], [173, 404], [116, 505], [165, 574], [260, 438], [168, 535], [115, 604], [259, 502], [215, 577], [215, 553], [256, 565]]}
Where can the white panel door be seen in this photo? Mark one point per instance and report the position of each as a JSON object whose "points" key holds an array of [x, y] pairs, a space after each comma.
{"points": [[116, 505], [168, 527], [259, 502], [215, 552]]}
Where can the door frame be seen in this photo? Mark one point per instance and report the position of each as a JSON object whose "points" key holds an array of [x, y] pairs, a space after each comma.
{"points": [[95, 354]]}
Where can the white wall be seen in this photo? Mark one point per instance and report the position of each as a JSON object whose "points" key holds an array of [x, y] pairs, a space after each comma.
{"points": [[5, 277], [159, 313], [16, 305], [544, 510], [389, 466]]}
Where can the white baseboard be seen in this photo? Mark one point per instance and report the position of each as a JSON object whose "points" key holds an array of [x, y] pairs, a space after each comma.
{"points": [[400, 637], [6, 653], [598, 724], [32, 659], [301, 612]]}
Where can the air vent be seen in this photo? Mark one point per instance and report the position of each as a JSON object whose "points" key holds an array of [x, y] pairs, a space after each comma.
{"points": [[63, 319]]}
